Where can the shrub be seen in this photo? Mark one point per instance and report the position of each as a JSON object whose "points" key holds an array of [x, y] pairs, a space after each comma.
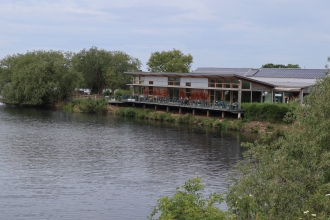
{"points": [[267, 111], [189, 203], [87, 105], [121, 92], [288, 178], [92, 105]]}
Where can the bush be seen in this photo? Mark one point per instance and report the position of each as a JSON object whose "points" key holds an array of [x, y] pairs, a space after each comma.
{"points": [[92, 105], [121, 92], [87, 105], [188, 203], [273, 113], [288, 178]]}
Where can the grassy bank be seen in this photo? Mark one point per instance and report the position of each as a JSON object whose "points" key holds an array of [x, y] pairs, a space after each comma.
{"points": [[227, 124], [249, 124]]}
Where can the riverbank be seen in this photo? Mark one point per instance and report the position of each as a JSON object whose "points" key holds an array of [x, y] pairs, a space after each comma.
{"points": [[242, 125]]}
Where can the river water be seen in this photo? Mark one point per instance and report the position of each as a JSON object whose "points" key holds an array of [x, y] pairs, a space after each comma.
{"points": [[57, 165]]}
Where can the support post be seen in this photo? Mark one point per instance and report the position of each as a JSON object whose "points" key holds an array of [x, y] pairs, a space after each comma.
{"points": [[239, 94], [180, 110], [193, 112], [144, 106], [167, 109], [208, 113], [223, 114], [301, 96], [239, 115], [155, 107]]}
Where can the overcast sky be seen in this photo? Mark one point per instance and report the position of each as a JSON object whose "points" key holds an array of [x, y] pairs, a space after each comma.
{"points": [[217, 33]]}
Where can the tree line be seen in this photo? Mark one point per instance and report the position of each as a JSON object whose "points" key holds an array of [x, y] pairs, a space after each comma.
{"points": [[44, 77]]}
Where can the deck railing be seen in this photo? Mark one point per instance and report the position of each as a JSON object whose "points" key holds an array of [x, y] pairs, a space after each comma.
{"points": [[174, 101]]}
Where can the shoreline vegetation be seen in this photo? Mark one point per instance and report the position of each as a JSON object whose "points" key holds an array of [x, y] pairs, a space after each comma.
{"points": [[273, 126]]}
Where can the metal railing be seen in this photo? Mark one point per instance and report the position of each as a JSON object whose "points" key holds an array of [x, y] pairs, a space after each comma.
{"points": [[175, 101]]}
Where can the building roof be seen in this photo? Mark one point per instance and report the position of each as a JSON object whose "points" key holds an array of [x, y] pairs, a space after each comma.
{"points": [[291, 73], [220, 71], [265, 72], [286, 82]]}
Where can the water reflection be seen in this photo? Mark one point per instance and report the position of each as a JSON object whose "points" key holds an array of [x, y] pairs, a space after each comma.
{"points": [[57, 165]]}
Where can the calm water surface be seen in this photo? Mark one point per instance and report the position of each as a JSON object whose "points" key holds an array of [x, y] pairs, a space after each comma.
{"points": [[57, 165]]}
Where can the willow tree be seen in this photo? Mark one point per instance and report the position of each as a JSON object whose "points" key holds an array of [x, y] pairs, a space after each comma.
{"points": [[37, 78], [289, 178], [102, 69]]}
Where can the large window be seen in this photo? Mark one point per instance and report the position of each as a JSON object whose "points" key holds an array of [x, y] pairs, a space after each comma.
{"points": [[246, 96], [173, 81], [227, 83], [151, 90], [235, 83], [188, 93], [246, 84], [256, 96], [173, 92], [139, 80], [215, 83]]}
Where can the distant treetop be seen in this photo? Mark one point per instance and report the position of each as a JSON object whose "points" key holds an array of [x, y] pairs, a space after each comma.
{"points": [[170, 61], [271, 65]]}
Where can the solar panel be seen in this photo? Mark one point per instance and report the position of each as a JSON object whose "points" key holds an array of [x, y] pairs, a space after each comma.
{"points": [[221, 71], [291, 73]]}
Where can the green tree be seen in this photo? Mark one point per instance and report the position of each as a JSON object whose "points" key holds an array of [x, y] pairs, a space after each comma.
{"points": [[102, 69], [188, 203], [289, 178], [5, 70], [37, 78], [170, 61], [271, 65]]}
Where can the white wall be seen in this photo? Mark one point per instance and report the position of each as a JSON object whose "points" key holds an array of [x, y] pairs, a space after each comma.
{"points": [[162, 81], [158, 81], [195, 82]]}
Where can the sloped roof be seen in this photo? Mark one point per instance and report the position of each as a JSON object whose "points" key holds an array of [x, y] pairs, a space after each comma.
{"points": [[220, 71], [264, 72], [286, 82], [291, 73]]}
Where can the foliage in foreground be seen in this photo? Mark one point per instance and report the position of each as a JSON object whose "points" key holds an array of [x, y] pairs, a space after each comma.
{"points": [[188, 203], [289, 178]]}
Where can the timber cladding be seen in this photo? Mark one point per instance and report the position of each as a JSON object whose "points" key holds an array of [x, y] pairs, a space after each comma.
{"points": [[161, 92], [199, 94]]}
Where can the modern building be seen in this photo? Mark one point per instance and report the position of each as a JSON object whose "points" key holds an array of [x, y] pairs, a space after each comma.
{"points": [[227, 88], [232, 85]]}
